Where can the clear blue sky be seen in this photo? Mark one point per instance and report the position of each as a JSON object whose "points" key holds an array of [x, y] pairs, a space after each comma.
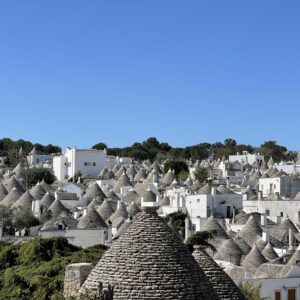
{"points": [[81, 72]]}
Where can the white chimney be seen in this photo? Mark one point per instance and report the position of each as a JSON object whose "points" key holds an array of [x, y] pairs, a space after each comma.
{"points": [[259, 195], [187, 228], [291, 236], [265, 237]]}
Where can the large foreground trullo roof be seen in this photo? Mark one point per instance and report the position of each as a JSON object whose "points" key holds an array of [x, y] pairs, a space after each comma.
{"points": [[149, 261]]}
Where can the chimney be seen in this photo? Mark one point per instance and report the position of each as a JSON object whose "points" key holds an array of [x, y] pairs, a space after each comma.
{"points": [[227, 182], [291, 237], [263, 220], [259, 195], [265, 237], [75, 275], [187, 228], [233, 214], [213, 191]]}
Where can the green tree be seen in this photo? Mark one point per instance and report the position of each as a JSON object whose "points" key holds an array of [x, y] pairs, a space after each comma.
{"points": [[251, 292], [34, 175], [177, 165], [178, 220], [100, 146], [201, 174], [271, 149], [34, 270], [201, 238]]}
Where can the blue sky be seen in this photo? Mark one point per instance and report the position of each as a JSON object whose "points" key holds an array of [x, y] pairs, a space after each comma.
{"points": [[81, 72]]}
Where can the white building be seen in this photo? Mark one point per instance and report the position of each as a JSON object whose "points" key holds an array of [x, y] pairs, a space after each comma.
{"points": [[201, 207], [86, 161], [247, 158], [286, 186]]}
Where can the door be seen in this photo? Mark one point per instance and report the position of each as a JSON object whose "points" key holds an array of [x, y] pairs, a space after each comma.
{"points": [[277, 296], [292, 294], [228, 212]]}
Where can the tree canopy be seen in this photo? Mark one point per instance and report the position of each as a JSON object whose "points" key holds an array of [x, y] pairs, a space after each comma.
{"points": [[35, 269]]}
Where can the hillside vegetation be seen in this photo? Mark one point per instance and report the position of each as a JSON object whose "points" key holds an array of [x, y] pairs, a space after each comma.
{"points": [[35, 269]]}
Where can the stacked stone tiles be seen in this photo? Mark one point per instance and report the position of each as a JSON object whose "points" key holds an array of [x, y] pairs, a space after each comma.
{"points": [[222, 283], [150, 262]]}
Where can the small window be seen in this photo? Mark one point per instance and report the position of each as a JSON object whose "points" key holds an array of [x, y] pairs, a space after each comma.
{"points": [[94, 164], [281, 214], [277, 295], [267, 212]]}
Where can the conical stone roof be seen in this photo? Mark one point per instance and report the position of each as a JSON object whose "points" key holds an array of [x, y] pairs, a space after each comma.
{"points": [[105, 210], [221, 282], [165, 201], [113, 196], [269, 253], [91, 220], [119, 215], [230, 252], [132, 196], [213, 225], [11, 198], [3, 191], [94, 191], [254, 259], [133, 209], [47, 187], [38, 192], [288, 224], [47, 200], [260, 244], [11, 183], [295, 258], [250, 231], [96, 202], [24, 202], [57, 208], [148, 262], [242, 245], [141, 175], [168, 178], [121, 182]]}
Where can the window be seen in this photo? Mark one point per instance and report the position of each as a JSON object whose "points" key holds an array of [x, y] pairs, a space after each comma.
{"points": [[281, 214], [198, 200], [277, 295], [267, 212], [37, 160], [88, 163], [299, 216], [292, 294]]}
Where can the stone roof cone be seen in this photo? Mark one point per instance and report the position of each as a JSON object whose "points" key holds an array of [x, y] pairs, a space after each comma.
{"points": [[250, 231], [269, 252], [229, 251], [254, 258], [213, 224], [149, 261], [222, 283]]}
